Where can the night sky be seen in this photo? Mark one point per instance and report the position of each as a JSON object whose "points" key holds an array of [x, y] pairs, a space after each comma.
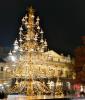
{"points": [[63, 22]]}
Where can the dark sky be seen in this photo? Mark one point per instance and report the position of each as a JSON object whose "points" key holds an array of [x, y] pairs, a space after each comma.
{"points": [[63, 22]]}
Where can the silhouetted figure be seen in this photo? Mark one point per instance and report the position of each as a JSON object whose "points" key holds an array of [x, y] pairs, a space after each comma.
{"points": [[2, 95], [82, 94], [1, 68]]}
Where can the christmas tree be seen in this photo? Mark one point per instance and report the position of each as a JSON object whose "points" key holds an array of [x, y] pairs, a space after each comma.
{"points": [[30, 48]]}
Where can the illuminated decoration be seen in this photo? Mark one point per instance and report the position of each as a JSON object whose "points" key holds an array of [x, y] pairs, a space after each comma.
{"points": [[29, 65], [59, 88], [32, 62]]}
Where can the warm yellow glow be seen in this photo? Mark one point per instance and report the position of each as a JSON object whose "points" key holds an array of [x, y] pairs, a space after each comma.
{"points": [[35, 61]]}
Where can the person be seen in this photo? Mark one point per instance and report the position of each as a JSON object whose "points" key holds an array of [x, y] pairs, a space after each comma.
{"points": [[82, 94], [2, 95]]}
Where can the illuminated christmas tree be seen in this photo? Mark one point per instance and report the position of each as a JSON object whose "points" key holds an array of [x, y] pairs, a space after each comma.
{"points": [[59, 88], [30, 48]]}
